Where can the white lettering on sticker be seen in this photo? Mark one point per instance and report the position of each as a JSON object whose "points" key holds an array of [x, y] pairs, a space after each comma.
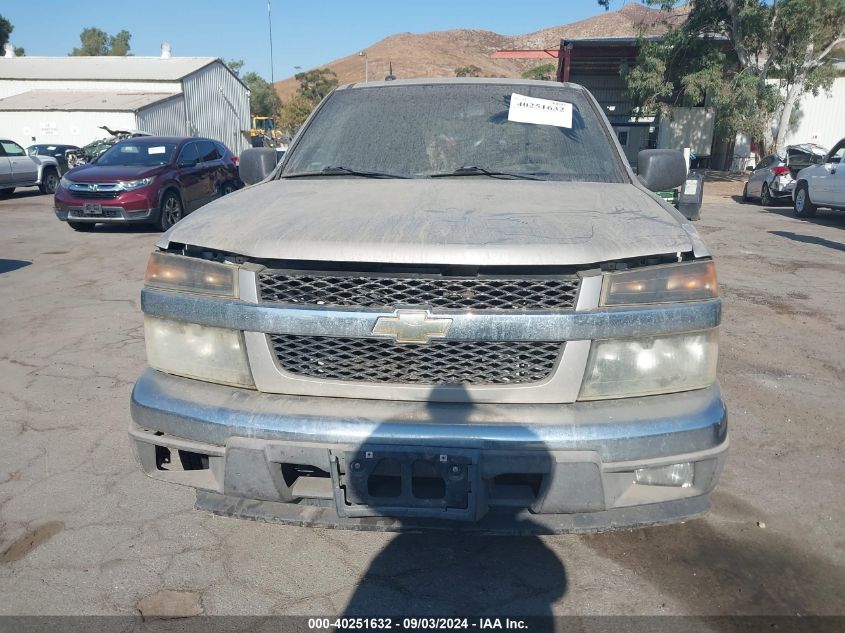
{"points": [[540, 111], [156, 150], [690, 187]]}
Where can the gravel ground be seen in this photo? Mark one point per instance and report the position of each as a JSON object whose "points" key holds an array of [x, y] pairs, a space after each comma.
{"points": [[82, 531]]}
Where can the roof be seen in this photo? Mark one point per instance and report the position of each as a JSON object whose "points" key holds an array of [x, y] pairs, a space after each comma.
{"points": [[110, 68], [90, 100], [431, 81]]}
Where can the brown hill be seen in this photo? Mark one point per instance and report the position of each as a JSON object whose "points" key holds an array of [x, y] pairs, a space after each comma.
{"points": [[439, 53]]}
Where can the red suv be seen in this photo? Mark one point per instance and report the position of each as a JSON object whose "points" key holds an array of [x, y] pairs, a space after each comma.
{"points": [[149, 179]]}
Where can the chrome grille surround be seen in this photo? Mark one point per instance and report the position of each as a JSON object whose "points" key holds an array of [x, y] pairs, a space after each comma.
{"points": [[576, 327]]}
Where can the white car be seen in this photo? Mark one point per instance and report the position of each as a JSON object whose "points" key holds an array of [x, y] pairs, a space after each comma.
{"points": [[821, 185], [773, 178], [17, 169]]}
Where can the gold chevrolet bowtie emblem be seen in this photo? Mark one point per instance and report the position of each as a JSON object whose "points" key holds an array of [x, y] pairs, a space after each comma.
{"points": [[412, 326]]}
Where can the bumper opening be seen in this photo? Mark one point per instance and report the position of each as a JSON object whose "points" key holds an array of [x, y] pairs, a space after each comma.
{"points": [[515, 489], [188, 460]]}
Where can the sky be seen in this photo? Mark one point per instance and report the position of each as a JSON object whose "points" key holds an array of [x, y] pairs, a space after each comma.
{"points": [[305, 33]]}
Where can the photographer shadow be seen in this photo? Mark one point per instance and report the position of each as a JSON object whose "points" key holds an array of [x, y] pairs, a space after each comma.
{"points": [[458, 568]]}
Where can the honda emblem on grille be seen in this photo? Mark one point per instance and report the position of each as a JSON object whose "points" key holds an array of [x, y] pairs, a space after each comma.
{"points": [[94, 187], [412, 326]]}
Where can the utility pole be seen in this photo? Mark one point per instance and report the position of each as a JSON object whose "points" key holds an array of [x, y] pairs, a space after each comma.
{"points": [[270, 24], [366, 65]]}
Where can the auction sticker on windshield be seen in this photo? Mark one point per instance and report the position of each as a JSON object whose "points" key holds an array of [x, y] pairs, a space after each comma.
{"points": [[156, 150], [540, 111]]}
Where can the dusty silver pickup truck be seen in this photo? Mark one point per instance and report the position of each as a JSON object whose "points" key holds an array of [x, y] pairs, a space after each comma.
{"points": [[452, 304]]}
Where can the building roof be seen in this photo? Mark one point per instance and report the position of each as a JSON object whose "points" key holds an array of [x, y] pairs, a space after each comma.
{"points": [[90, 100], [111, 68]]}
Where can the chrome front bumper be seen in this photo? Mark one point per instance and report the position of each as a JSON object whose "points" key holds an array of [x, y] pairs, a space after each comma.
{"points": [[582, 455]]}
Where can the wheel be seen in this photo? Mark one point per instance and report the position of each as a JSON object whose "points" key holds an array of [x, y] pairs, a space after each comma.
{"points": [[170, 212], [6, 192], [802, 205], [82, 227], [226, 188], [49, 181], [745, 193], [766, 196]]}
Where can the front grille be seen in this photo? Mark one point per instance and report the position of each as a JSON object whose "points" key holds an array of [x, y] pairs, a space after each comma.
{"points": [[96, 195], [107, 213], [371, 290], [436, 363]]}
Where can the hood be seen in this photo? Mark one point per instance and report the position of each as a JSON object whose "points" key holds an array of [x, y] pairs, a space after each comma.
{"points": [[460, 221], [91, 172]]}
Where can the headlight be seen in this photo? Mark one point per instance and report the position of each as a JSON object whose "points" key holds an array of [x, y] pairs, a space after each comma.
{"points": [[692, 281], [64, 182], [644, 366], [129, 185], [189, 274], [197, 351]]}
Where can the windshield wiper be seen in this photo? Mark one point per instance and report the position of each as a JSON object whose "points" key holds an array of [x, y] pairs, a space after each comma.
{"points": [[338, 170], [476, 170]]}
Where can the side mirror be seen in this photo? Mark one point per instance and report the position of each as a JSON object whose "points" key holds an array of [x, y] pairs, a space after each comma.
{"points": [[256, 164], [182, 164], [661, 169]]}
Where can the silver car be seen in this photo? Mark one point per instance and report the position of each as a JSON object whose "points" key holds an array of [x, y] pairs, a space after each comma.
{"points": [[18, 169], [774, 176]]}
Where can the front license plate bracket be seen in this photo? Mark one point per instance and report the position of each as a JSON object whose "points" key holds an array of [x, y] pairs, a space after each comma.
{"points": [[421, 482]]}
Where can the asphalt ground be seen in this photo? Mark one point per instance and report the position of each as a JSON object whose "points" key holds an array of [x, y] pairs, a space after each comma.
{"points": [[83, 531]]}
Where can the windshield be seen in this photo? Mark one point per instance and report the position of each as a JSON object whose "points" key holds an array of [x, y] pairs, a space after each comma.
{"points": [[141, 154], [420, 131]]}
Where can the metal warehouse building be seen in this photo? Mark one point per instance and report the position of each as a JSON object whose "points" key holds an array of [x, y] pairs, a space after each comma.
{"points": [[65, 100]]}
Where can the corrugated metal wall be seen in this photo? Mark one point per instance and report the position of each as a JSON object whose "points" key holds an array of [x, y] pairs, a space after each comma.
{"points": [[166, 118], [610, 92], [217, 106], [820, 119]]}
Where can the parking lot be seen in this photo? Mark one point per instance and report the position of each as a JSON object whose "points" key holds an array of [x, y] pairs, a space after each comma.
{"points": [[83, 531]]}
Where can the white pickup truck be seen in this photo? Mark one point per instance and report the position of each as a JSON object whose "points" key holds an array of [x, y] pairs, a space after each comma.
{"points": [[18, 169]]}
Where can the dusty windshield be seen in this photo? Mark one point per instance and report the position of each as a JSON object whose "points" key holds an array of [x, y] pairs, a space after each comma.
{"points": [[140, 154], [419, 131]]}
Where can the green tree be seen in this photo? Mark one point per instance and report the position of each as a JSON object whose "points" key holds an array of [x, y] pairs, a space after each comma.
{"points": [[6, 29], [545, 72], [468, 71], [776, 51], [235, 65], [805, 33], [294, 112], [97, 42], [316, 84], [262, 96]]}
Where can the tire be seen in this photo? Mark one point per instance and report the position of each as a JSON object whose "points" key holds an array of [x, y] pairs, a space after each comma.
{"points": [[6, 192], [766, 199], [82, 227], [49, 181], [170, 211], [745, 193], [802, 205], [227, 187]]}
